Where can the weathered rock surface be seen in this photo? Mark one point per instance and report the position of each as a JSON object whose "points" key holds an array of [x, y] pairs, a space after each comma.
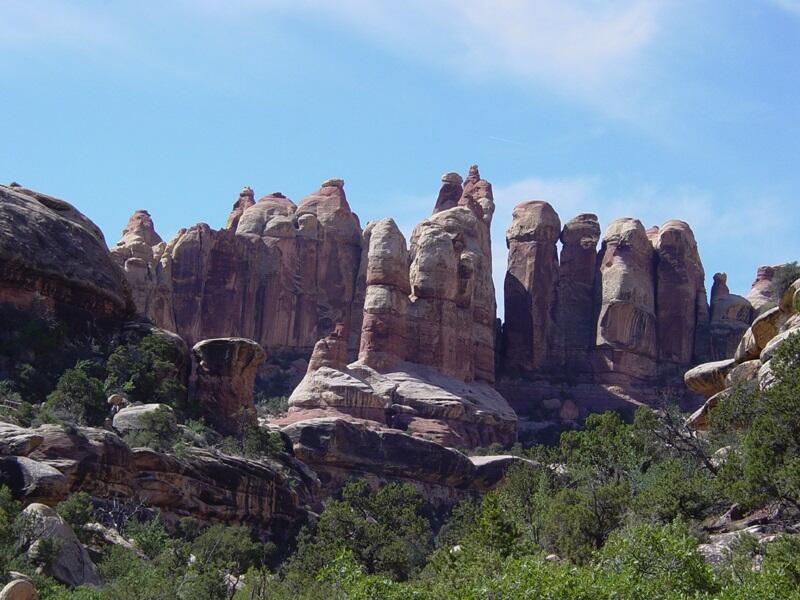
{"points": [[280, 274], [751, 362], [531, 286], [204, 485], [340, 448], [709, 378], [609, 329], [31, 480], [19, 589], [226, 372], [54, 258], [730, 317], [426, 361], [71, 563], [130, 418]]}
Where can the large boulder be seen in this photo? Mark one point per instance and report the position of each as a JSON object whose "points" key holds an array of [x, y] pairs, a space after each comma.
{"points": [[226, 372], [133, 418], [33, 481], [51, 255], [709, 378], [70, 563]]}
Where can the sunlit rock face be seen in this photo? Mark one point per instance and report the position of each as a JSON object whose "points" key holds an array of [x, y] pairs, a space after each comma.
{"points": [[605, 328], [278, 273], [427, 352]]}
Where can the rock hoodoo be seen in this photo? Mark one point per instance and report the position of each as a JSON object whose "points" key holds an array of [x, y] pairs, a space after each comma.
{"points": [[608, 329], [278, 273], [426, 361], [226, 371]]}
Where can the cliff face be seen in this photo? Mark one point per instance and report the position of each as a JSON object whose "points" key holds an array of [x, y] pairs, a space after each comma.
{"points": [[279, 274], [427, 356], [608, 328]]}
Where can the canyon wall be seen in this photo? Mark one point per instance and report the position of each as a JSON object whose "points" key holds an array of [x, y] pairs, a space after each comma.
{"points": [[278, 273], [612, 328]]}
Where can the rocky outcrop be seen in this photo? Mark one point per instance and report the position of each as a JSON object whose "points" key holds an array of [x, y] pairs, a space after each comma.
{"points": [[384, 337], [54, 259], [751, 365], [203, 484], [530, 286], [339, 449], [601, 330], [226, 372], [246, 200], [280, 274], [577, 275], [70, 562], [134, 418], [450, 193], [730, 317], [426, 361]]}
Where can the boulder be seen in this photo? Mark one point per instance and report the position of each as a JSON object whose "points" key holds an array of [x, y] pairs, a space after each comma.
{"points": [[71, 563], [33, 481], [766, 326], [743, 372], [709, 378], [52, 256], [699, 419], [226, 372], [19, 589], [769, 350], [129, 419]]}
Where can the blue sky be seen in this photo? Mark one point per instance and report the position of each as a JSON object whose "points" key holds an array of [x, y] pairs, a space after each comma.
{"points": [[655, 109]]}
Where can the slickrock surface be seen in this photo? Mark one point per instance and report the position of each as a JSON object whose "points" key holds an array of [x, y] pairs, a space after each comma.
{"points": [[204, 485], [753, 356], [52, 257]]}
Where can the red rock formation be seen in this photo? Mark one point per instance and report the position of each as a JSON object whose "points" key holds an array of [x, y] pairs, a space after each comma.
{"points": [[245, 201], [330, 351], [226, 371], [531, 286], [682, 306], [53, 258], [730, 317], [576, 281], [450, 193], [279, 274], [383, 332]]}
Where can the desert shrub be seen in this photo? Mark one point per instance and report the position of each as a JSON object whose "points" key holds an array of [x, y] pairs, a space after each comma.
{"points": [[147, 372], [77, 510], [78, 399], [156, 430]]}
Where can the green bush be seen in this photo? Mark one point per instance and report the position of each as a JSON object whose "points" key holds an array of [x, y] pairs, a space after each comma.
{"points": [[78, 399], [77, 510], [157, 431]]}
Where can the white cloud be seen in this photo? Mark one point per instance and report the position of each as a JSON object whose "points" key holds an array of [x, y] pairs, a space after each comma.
{"points": [[790, 6], [44, 22], [584, 49]]}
